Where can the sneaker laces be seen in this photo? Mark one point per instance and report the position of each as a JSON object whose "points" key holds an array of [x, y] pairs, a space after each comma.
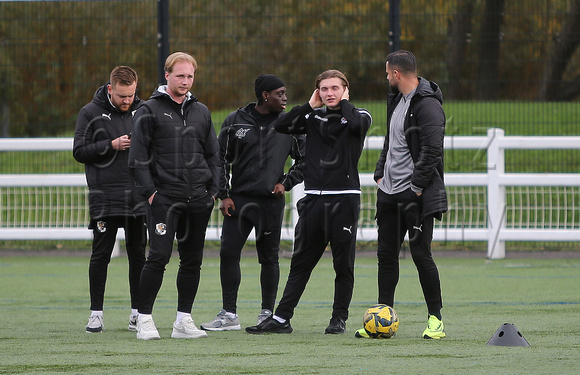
{"points": [[188, 323], [95, 321], [148, 325], [222, 317], [434, 324]]}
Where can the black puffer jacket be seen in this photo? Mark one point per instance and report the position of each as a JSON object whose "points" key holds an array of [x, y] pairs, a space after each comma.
{"points": [[111, 186], [424, 131], [253, 155], [174, 148]]}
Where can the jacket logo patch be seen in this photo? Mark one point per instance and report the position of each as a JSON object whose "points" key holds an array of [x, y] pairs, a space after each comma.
{"points": [[241, 133], [102, 226], [168, 115], [343, 121], [160, 229], [106, 115]]}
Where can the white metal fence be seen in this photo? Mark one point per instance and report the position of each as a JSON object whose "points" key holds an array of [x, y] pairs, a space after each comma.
{"points": [[491, 206]]}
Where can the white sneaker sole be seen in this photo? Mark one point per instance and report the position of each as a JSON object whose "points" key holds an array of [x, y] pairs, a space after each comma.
{"points": [[226, 328], [182, 335], [148, 337]]}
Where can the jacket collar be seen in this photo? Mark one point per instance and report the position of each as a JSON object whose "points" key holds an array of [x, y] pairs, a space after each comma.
{"points": [[162, 91]]}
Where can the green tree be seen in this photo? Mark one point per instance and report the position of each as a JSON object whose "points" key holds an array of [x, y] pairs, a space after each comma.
{"points": [[563, 49]]}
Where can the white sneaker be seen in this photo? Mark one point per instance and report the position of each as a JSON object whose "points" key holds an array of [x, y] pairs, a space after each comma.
{"points": [[223, 322], [95, 324], [265, 314], [146, 329], [133, 322], [186, 329]]}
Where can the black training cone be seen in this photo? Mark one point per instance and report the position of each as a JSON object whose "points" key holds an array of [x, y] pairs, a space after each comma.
{"points": [[508, 335]]}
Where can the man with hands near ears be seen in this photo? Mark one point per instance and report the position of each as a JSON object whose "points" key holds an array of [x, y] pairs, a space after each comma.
{"points": [[328, 214]]}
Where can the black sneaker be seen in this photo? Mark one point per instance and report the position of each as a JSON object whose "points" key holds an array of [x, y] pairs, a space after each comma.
{"points": [[270, 325], [336, 326]]}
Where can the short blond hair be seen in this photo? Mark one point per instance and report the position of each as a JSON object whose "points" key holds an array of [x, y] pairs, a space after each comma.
{"points": [[178, 57]]}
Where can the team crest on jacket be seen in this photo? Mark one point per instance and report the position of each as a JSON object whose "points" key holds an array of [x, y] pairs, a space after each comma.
{"points": [[102, 226], [160, 229], [241, 133]]}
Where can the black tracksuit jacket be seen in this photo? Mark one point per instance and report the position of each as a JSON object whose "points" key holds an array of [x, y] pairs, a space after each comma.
{"points": [[252, 156], [111, 186], [334, 143], [174, 148]]}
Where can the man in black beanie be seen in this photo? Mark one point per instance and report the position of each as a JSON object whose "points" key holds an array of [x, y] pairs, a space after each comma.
{"points": [[267, 83], [251, 188]]}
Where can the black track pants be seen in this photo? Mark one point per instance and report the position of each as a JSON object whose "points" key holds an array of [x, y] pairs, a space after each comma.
{"points": [[323, 219]]}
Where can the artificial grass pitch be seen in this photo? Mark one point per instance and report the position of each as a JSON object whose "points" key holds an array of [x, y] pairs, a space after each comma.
{"points": [[44, 309]]}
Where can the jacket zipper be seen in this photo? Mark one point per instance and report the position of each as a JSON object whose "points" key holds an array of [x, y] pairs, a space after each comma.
{"points": [[189, 177]]}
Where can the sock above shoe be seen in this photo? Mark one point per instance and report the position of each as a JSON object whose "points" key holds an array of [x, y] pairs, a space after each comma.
{"points": [[186, 329], [224, 321], [279, 319], [180, 315], [144, 317]]}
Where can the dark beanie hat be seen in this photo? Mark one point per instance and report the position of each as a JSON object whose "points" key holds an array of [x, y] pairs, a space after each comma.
{"points": [[267, 82]]}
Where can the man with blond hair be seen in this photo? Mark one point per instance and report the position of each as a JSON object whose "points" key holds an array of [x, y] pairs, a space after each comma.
{"points": [[175, 160]]}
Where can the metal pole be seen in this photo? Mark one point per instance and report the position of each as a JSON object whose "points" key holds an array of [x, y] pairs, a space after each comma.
{"points": [[162, 37], [394, 25]]}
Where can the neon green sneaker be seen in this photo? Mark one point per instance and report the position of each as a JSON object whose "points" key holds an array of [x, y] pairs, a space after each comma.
{"points": [[361, 333], [435, 328]]}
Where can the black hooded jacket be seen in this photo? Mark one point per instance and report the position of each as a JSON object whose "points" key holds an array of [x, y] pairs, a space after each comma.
{"points": [[174, 148], [424, 132], [111, 186], [253, 155]]}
